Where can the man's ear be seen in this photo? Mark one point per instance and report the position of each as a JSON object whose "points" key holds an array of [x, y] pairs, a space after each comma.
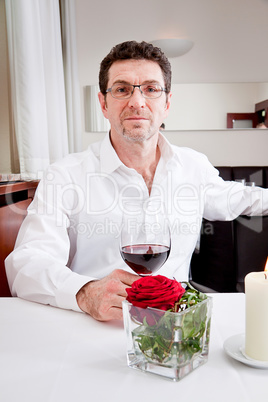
{"points": [[167, 106], [103, 104]]}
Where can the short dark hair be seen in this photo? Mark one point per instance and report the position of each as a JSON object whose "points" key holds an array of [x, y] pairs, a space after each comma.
{"points": [[137, 51]]}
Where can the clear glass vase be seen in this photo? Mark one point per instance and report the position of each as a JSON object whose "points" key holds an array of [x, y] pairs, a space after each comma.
{"points": [[166, 343]]}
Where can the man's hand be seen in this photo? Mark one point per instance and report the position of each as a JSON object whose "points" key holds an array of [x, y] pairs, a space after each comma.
{"points": [[102, 299]]}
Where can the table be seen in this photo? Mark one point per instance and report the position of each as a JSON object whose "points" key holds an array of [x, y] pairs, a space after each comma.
{"points": [[53, 355]]}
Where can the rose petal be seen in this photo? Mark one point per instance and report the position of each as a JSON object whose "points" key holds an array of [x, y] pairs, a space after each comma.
{"points": [[155, 291]]}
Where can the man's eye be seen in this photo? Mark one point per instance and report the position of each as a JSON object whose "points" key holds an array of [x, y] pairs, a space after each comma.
{"points": [[151, 89], [122, 89]]}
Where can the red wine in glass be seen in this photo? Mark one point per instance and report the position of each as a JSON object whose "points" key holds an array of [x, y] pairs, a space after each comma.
{"points": [[145, 259], [145, 236]]}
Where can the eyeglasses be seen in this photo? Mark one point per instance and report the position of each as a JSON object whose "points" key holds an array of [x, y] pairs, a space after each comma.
{"points": [[125, 91]]}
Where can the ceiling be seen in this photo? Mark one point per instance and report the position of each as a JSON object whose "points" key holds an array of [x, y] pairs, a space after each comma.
{"points": [[230, 36]]}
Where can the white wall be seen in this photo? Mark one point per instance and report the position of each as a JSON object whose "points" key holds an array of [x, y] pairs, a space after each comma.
{"points": [[226, 147], [205, 106], [222, 147]]}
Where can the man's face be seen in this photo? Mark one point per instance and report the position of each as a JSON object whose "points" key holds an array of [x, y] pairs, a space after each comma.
{"points": [[136, 119]]}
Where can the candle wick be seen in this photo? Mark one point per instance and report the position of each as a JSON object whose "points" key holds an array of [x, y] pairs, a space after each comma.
{"points": [[265, 275]]}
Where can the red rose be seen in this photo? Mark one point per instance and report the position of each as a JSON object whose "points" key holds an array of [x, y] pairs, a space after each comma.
{"points": [[154, 291]]}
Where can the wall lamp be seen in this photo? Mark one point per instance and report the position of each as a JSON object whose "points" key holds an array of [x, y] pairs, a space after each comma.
{"points": [[174, 47]]}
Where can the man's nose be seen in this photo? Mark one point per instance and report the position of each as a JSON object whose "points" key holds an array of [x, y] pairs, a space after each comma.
{"points": [[137, 100]]}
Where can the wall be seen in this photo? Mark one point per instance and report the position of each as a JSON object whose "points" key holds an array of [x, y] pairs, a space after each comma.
{"points": [[226, 147], [5, 161], [222, 147], [205, 106]]}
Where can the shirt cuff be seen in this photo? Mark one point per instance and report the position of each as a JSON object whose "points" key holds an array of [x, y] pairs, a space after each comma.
{"points": [[66, 295]]}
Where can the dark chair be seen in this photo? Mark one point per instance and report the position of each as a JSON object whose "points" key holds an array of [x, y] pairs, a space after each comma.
{"points": [[230, 250], [14, 201]]}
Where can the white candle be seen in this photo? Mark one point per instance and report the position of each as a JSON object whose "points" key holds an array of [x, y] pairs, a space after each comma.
{"points": [[256, 289]]}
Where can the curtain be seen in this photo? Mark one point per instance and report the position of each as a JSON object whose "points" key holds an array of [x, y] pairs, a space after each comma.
{"points": [[37, 85]]}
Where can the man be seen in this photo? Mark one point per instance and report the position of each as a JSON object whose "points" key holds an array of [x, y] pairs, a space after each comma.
{"points": [[67, 252]]}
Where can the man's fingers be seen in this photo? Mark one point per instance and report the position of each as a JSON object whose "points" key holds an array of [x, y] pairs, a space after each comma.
{"points": [[122, 292], [118, 301], [126, 277]]}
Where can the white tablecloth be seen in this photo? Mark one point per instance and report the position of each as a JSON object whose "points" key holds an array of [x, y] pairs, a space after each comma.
{"points": [[53, 355]]}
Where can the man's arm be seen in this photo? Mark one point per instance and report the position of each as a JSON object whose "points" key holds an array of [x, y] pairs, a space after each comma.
{"points": [[226, 200]]}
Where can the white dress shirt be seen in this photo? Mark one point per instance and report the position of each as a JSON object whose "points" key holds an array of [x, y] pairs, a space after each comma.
{"points": [[71, 233]]}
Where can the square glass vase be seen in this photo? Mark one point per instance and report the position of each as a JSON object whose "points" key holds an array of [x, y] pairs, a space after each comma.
{"points": [[168, 344]]}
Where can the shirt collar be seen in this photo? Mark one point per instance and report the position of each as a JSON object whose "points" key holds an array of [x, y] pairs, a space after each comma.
{"points": [[166, 149], [109, 160]]}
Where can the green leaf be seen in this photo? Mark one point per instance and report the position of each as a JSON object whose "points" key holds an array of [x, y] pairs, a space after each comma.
{"points": [[166, 339]]}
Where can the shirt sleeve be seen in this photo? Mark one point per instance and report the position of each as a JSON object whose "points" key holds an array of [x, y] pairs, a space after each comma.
{"points": [[226, 200], [37, 269]]}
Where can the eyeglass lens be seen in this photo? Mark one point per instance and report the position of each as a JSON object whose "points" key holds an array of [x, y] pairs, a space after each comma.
{"points": [[124, 91]]}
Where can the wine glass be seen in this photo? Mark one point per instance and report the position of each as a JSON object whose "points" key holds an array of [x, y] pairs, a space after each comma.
{"points": [[145, 236]]}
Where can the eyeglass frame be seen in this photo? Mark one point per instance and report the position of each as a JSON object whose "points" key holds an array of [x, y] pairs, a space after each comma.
{"points": [[109, 90]]}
